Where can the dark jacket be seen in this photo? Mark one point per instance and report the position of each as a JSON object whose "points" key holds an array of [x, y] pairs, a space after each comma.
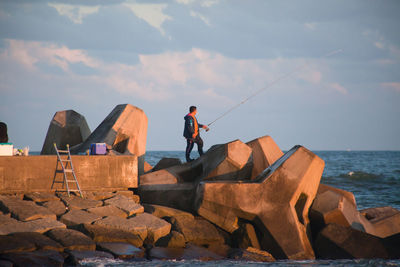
{"points": [[190, 126]]}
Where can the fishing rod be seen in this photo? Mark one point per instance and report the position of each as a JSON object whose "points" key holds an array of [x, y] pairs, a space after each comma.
{"points": [[269, 85]]}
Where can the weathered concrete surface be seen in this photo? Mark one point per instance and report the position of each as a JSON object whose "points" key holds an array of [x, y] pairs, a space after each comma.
{"points": [[98, 195], [100, 233], [231, 161], [24, 210], [349, 195], [75, 217], [265, 152], [40, 196], [66, 127], [331, 207], [76, 256], [40, 241], [156, 227], [166, 163], [162, 211], [124, 129], [55, 206], [78, 203], [251, 254], [108, 210], [126, 204], [39, 226], [147, 167], [173, 240], [122, 250], [385, 220], [71, 239], [35, 173], [340, 242], [285, 190], [6, 218], [123, 224], [35, 258]]}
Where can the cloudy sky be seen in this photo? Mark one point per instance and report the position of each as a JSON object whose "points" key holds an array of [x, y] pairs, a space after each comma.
{"points": [[164, 56]]}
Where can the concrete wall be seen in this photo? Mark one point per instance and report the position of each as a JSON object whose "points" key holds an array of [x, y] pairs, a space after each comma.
{"points": [[36, 173]]}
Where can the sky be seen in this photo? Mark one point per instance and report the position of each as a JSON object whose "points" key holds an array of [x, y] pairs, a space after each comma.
{"points": [[164, 56]]}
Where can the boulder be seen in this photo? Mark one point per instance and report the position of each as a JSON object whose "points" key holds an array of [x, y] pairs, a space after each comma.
{"points": [[123, 224], [173, 240], [126, 204], [24, 210], [66, 127], [78, 203], [156, 227], [385, 220], [75, 217], [265, 152], [100, 233], [35, 258], [162, 211], [71, 239], [76, 256], [108, 210], [191, 252], [129, 194], [341, 242], [10, 244], [40, 196], [40, 241], [121, 250], [124, 130], [349, 195], [331, 207], [39, 226], [98, 195], [251, 254], [55, 206], [285, 190], [231, 161], [166, 163]]}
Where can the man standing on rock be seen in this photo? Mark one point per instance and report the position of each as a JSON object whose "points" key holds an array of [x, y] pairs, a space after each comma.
{"points": [[192, 134]]}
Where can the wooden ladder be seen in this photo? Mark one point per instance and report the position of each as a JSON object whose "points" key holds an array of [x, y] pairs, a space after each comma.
{"points": [[65, 169]]}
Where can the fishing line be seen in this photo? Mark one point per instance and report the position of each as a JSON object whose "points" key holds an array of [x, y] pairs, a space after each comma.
{"points": [[271, 84]]}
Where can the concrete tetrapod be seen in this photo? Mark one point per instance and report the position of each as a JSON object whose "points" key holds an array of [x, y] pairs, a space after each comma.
{"points": [[276, 202], [124, 129], [66, 127]]}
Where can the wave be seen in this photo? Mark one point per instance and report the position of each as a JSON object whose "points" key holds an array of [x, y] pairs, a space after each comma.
{"points": [[359, 175]]}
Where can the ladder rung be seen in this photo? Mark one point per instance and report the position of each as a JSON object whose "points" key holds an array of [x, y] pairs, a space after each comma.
{"points": [[71, 181], [68, 170], [62, 151], [63, 160], [74, 190], [59, 182]]}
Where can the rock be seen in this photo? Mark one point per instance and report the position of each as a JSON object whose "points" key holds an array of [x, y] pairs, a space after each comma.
{"points": [[124, 203], [24, 210], [121, 250], [76, 256], [330, 207], [162, 211], [156, 227], [179, 196], [166, 163], [55, 206], [265, 153], [40, 196], [245, 237], [37, 258], [72, 239], [231, 161], [78, 203], [191, 252], [108, 210], [39, 226], [147, 167], [124, 130], [5, 218], [173, 240], [123, 224], [285, 190], [349, 195], [105, 234], [40, 241], [129, 194], [75, 217], [251, 254], [9, 244], [197, 231], [340, 242], [385, 220], [66, 127], [98, 195]]}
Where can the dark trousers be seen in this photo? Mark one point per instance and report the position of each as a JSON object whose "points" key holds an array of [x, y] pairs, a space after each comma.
{"points": [[190, 145]]}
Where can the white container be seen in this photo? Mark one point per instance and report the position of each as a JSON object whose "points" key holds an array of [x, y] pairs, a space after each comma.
{"points": [[6, 149]]}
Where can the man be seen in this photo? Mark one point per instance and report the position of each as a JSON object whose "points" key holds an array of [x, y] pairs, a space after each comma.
{"points": [[192, 134]]}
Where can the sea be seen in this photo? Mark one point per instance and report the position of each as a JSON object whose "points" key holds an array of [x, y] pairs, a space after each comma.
{"points": [[372, 176]]}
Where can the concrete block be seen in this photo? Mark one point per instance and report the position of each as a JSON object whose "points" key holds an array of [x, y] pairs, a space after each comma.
{"points": [[126, 204], [156, 227], [245, 236], [265, 153], [349, 195], [39, 226], [122, 250], [35, 258], [75, 217], [166, 163], [123, 224], [173, 240], [24, 210], [40, 196], [124, 130], [71, 239], [163, 211], [147, 167], [78, 203], [385, 220], [108, 210], [40, 241], [284, 190], [55, 206], [5, 218], [10, 244], [66, 127], [251, 254]]}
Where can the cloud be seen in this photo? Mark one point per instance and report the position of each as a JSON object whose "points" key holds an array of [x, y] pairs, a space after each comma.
{"points": [[75, 13], [339, 88], [395, 86], [151, 13], [200, 16], [203, 3]]}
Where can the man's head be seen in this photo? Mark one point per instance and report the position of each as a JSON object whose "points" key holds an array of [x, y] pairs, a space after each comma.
{"points": [[193, 110]]}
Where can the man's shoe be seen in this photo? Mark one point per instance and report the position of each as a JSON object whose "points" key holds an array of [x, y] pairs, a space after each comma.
{"points": [[189, 160]]}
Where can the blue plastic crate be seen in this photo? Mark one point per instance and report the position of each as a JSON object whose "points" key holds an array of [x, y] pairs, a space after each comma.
{"points": [[98, 149]]}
